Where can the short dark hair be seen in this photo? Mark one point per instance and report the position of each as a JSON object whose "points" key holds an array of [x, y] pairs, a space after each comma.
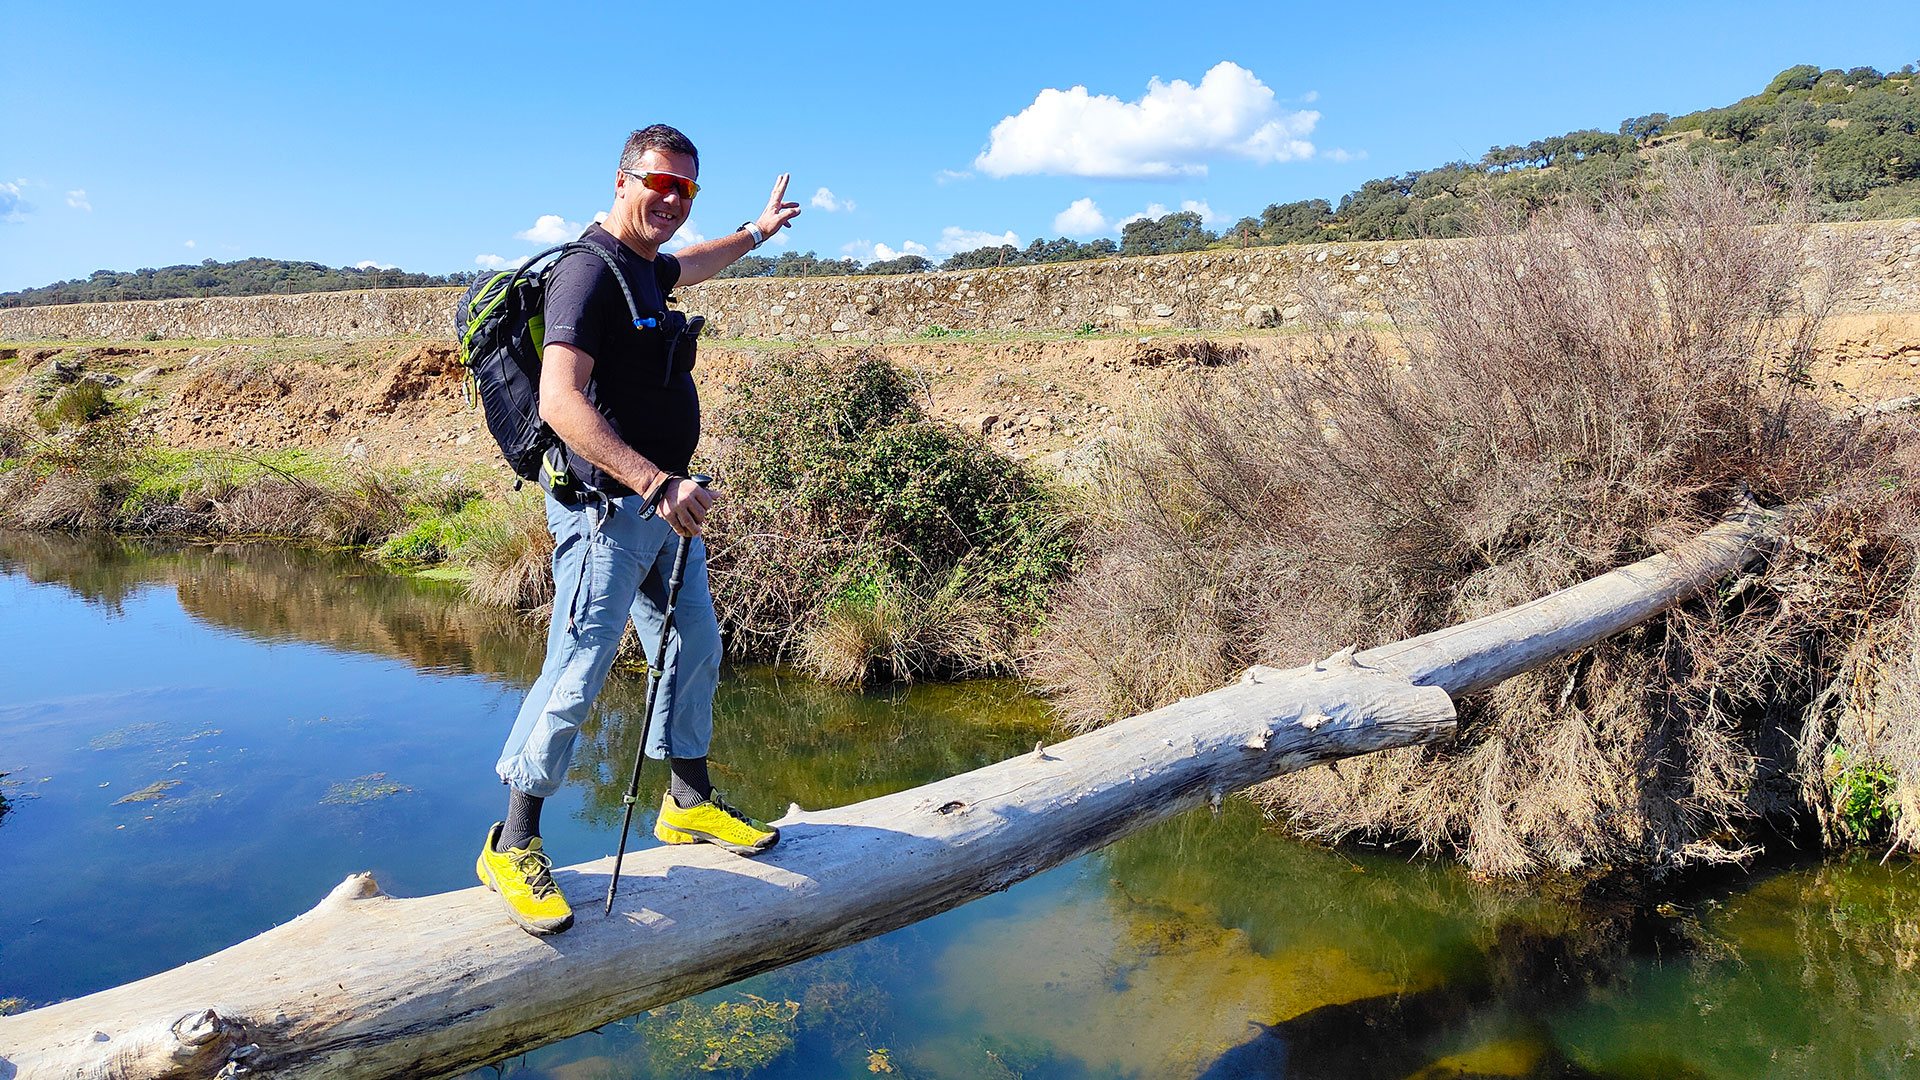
{"points": [[667, 140]]}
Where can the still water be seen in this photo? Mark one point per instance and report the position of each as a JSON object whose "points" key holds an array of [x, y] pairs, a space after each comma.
{"points": [[201, 741]]}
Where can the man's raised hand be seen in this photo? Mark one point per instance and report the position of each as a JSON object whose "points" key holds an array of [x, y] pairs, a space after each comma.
{"points": [[777, 214]]}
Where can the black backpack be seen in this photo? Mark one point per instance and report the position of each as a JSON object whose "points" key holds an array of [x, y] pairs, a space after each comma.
{"points": [[501, 335]]}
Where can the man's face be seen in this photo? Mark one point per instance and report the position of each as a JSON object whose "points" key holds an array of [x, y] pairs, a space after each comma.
{"points": [[651, 216]]}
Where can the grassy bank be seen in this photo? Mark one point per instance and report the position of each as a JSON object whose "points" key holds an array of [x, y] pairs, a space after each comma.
{"points": [[1582, 390], [856, 537]]}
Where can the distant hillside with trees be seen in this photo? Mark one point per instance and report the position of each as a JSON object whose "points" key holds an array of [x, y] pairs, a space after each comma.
{"points": [[1850, 138], [244, 277]]}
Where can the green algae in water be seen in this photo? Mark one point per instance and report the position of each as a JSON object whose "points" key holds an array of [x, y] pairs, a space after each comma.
{"points": [[153, 792], [727, 1038], [144, 735], [362, 790]]}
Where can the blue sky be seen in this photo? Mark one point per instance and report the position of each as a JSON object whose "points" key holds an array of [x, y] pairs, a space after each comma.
{"points": [[434, 137]]}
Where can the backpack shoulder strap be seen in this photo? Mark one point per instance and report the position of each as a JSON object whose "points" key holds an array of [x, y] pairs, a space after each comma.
{"points": [[606, 256]]}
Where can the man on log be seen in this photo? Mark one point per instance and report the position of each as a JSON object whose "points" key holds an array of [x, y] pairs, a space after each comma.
{"points": [[622, 398]]}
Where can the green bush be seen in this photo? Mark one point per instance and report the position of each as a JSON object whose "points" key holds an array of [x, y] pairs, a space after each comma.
{"points": [[865, 539], [76, 404], [1863, 807]]}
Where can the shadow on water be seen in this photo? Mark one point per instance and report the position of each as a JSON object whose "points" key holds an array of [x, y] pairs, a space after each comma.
{"points": [[1524, 973]]}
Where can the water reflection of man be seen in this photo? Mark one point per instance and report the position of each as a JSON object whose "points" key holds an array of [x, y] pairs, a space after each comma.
{"points": [[630, 417]]}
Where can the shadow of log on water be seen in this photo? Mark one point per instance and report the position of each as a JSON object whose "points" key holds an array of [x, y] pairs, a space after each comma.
{"points": [[1412, 1035]]}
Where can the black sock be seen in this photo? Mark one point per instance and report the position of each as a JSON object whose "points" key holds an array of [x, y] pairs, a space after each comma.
{"points": [[689, 785], [523, 820]]}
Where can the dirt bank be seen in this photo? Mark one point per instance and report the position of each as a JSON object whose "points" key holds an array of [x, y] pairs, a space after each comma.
{"points": [[399, 402]]}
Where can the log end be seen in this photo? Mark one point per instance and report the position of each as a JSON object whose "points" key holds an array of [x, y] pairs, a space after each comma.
{"points": [[359, 886]]}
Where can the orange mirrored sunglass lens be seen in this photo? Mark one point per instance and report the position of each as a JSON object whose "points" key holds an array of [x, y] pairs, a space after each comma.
{"points": [[667, 182]]}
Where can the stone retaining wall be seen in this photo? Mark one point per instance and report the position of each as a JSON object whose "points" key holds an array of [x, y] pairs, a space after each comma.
{"points": [[1215, 290]]}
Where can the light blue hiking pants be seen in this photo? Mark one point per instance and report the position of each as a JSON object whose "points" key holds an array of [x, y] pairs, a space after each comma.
{"points": [[608, 564]]}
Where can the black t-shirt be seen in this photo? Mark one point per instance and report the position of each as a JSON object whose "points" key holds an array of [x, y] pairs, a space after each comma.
{"points": [[652, 409]]}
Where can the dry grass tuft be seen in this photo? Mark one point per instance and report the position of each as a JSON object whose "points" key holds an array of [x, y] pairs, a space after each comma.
{"points": [[509, 553], [1578, 392]]}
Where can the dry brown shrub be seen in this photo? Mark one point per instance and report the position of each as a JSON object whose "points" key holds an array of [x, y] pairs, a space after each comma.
{"points": [[283, 505], [955, 628], [509, 555], [1578, 392]]}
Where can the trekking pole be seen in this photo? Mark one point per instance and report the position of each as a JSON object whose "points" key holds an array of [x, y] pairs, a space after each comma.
{"points": [[654, 671]]}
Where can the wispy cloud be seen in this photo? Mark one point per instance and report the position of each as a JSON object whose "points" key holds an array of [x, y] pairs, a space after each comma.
{"points": [[1175, 129], [189, 244], [550, 229], [77, 198], [13, 208], [369, 264], [948, 176], [831, 203], [1344, 156], [495, 262], [954, 239]]}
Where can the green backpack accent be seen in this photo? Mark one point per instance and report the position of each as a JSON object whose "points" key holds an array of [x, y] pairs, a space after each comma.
{"points": [[501, 334]]}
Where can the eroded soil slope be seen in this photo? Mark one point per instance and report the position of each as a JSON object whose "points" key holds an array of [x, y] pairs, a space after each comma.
{"points": [[400, 402]]}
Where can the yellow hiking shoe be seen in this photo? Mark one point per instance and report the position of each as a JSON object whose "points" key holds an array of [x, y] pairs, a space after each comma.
{"points": [[524, 879], [714, 822]]}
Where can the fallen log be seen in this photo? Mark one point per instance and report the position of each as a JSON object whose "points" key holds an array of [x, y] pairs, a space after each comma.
{"points": [[370, 985]]}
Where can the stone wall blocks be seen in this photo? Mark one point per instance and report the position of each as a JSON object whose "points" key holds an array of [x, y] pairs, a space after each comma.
{"points": [[1216, 289]]}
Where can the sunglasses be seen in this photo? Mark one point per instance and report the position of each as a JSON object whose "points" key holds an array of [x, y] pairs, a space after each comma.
{"points": [[665, 182]]}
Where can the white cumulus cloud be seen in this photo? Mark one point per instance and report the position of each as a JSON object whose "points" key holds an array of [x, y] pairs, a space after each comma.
{"points": [[1175, 129], [495, 262], [828, 201], [1344, 156], [369, 264], [876, 252], [549, 229], [1156, 211], [1082, 218], [1199, 206], [77, 198], [189, 244], [954, 239], [689, 233]]}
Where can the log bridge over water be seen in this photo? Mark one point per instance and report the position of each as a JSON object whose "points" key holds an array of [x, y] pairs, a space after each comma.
{"points": [[371, 985]]}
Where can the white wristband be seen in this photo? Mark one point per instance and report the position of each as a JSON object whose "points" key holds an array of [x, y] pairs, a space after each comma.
{"points": [[754, 231]]}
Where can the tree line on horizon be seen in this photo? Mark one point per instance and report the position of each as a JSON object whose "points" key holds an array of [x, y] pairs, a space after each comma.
{"points": [[242, 277], [1851, 138]]}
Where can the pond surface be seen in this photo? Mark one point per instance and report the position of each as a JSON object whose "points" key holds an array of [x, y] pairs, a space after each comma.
{"points": [[201, 741]]}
